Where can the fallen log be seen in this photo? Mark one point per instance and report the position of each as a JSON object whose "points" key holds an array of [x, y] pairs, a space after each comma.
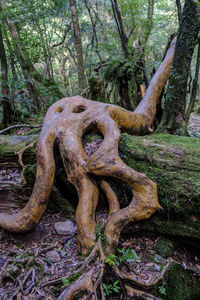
{"points": [[173, 162]]}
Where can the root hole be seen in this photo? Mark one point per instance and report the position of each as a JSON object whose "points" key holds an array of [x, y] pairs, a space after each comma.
{"points": [[59, 109], [79, 109]]}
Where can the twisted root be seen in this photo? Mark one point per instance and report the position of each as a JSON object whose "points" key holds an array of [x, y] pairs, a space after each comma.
{"points": [[66, 122]]}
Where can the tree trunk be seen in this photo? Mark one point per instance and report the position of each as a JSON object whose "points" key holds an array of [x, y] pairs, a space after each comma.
{"points": [[194, 85], [22, 60], [164, 158], [78, 45], [174, 119], [7, 110], [179, 10], [11, 56], [120, 27]]}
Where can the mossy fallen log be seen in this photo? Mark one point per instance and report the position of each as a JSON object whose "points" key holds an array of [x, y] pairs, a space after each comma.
{"points": [[11, 145], [173, 162]]}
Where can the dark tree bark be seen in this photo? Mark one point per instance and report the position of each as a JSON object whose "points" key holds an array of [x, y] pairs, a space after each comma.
{"points": [[179, 10], [174, 119], [7, 109], [120, 27], [78, 45], [94, 22], [11, 55], [194, 85]]}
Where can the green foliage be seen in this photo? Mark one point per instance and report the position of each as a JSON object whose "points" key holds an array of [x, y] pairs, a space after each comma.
{"points": [[118, 69], [112, 260], [67, 281], [111, 288], [157, 258], [43, 24], [128, 255], [162, 290]]}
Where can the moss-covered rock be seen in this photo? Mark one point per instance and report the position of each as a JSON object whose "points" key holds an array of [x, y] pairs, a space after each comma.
{"points": [[164, 247], [178, 284]]}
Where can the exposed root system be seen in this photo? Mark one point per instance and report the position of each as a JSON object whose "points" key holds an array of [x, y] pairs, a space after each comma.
{"points": [[66, 122]]}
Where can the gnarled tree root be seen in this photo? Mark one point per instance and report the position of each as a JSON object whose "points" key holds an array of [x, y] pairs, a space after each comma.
{"points": [[66, 122], [92, 278]]}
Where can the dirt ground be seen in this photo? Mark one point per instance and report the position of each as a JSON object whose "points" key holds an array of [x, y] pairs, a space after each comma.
{"points": [[28, 273]]}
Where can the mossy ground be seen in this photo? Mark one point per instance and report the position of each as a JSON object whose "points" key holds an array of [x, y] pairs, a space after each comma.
{"points": [[178, 284]]}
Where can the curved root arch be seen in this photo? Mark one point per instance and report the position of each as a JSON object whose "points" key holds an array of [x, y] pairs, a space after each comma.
{"points": [[66, 121]]}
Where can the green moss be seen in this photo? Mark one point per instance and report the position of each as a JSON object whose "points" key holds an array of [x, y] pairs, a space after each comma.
{"points": [[99, 233], [89, 138], [97, 90], [173, 162], [57, 201], [71, 279], [197, 109], [164, 247], [13, 144], [179, 284], [29, 174]]}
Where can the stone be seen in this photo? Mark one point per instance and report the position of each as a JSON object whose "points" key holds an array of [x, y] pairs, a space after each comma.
{"points": [[53, 256], [164, 247], [65, 228]]}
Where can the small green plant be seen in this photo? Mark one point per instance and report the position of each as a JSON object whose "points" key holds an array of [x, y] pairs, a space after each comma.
{"points": [[162, 290], [65, 282], [128, 255], [112, 260], [70, 279], [157, 258], [111, 288], [69, 243]]}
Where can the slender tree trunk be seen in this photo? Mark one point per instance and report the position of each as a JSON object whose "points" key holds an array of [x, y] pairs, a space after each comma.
{"points": [[120, 27], [194, 85], [11, 55], [94, 22], [174, 119], [78, 45], [179, 10], [7, 110], [22, 60]]}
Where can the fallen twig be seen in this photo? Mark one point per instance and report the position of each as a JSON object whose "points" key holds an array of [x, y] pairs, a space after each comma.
{"points": [[19, 126], [20, 153]]}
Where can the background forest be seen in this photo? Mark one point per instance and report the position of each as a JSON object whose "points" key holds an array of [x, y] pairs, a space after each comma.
{"points": [[122, 180], [103, 50]]}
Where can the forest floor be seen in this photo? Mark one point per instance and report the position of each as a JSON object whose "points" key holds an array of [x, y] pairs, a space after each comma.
{"points": [[35, 265]]}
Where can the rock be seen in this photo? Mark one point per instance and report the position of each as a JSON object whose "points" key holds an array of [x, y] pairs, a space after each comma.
{"points": [[65, 228], [178, 284], [53, 256], [164, 247]]}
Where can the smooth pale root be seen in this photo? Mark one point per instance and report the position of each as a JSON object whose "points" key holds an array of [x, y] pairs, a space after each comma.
{"points": [[66, 121]]}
